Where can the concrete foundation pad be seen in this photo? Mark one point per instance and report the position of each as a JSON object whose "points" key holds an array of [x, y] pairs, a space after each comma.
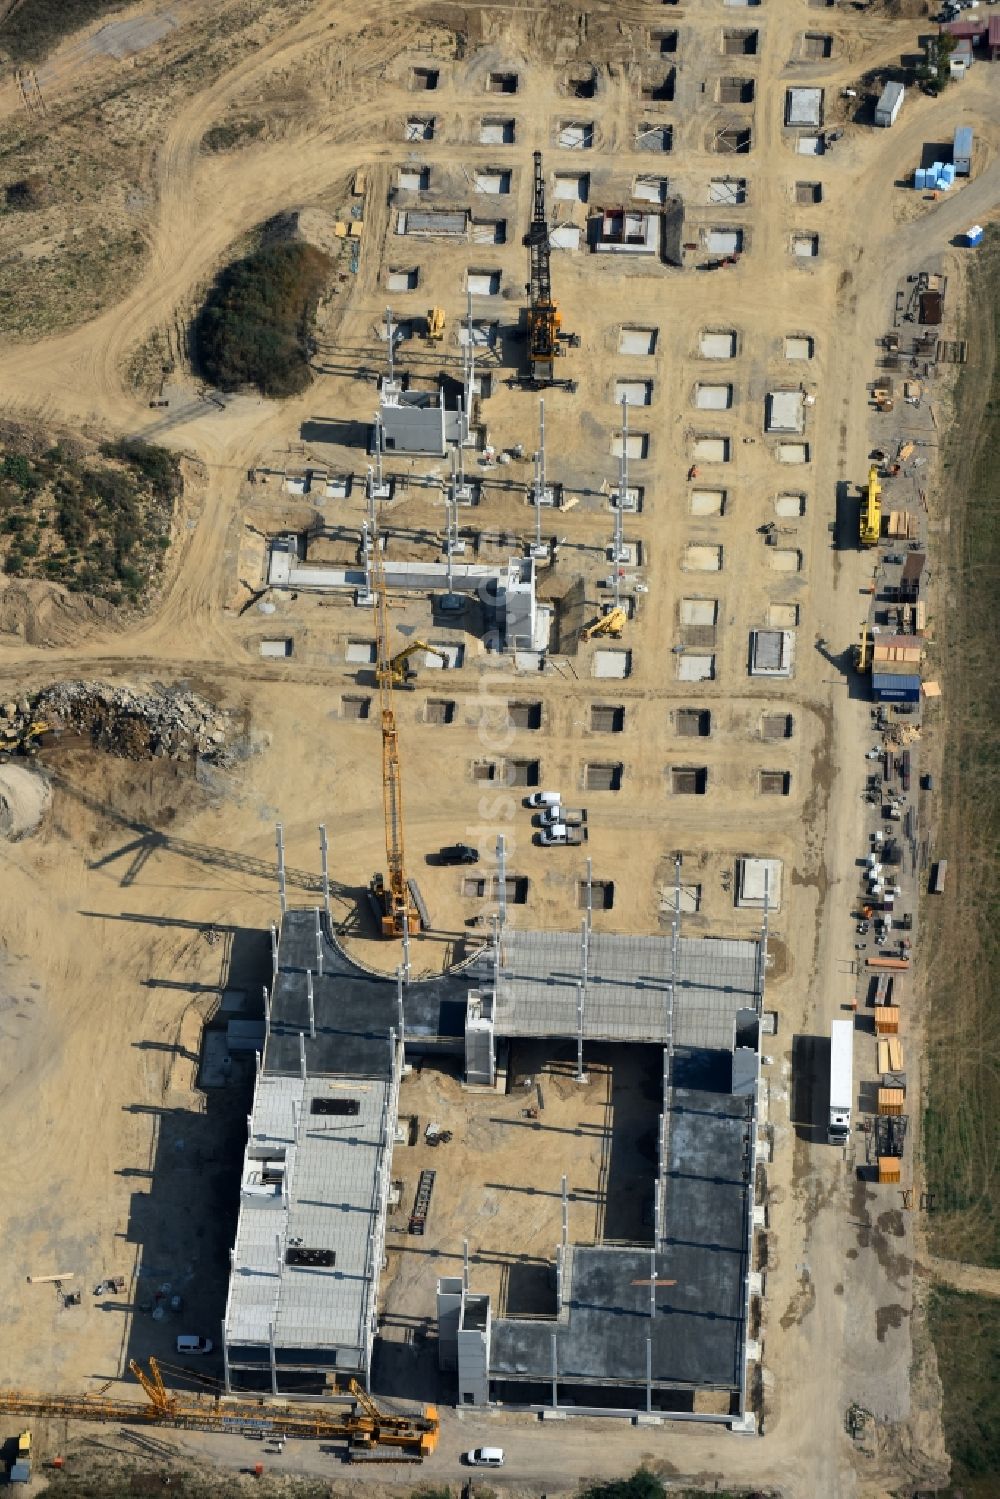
{"points": [[708, 501]]}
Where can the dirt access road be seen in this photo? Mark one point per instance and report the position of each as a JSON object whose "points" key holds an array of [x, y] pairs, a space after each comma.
{"points": [[106, 970]]}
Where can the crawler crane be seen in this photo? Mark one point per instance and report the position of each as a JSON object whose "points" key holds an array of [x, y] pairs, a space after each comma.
{"points": [[546, 340], [364, 1426]]}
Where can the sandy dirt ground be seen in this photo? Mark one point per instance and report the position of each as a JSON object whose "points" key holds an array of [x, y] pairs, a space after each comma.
{"points": [[109, 963]]}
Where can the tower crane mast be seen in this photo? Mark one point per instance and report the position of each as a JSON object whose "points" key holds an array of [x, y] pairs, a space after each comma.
{"points": [[397, 910]]}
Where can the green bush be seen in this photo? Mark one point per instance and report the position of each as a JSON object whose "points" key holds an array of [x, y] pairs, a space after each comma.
{"points": [[230, 136], [642, 1485], [254, 326]]}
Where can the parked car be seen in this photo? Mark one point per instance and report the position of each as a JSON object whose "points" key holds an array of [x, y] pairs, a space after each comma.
{"points": [[561, 834], [573, 817], [484, 1457], [543, 799], [459, 853], [190, 1344]]}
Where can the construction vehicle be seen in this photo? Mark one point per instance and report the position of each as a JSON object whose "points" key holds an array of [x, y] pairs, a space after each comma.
{"points": [[21, 740], [570, 817], [613, 623], [435, 324], [546, 340], [402, 675], [19, 1469], [841, 1081], [562, 835], [363, 1427], [870, 524], [398, 912]]}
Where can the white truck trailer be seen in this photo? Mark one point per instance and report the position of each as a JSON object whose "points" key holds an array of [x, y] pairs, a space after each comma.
{"points": [[841, 1081]]}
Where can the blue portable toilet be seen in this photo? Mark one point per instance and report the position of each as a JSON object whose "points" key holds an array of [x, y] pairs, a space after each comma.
{"points": [[974, 236], [920, 179]]}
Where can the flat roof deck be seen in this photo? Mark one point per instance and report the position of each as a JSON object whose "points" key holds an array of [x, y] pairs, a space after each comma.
{"points": [[332, 1189], [628, 990], [698, 1330], [628, 987]]}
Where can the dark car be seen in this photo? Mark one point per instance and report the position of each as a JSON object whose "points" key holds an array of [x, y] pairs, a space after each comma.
{"points": [[459, 853]]}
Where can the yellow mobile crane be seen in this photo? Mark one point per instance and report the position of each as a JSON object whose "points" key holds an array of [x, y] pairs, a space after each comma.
{"points": [[613, 623], [364, 1426], [870, 524], [397, 909]]}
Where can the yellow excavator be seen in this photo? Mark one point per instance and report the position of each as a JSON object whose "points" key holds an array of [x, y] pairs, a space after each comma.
{"points": [[613, 623], [363, 1426], [870, 523], [435, 324], [399, 673], [23, 741]]}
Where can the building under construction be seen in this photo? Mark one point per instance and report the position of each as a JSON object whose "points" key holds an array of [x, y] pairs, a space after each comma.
{"points": [[660, 1325]]}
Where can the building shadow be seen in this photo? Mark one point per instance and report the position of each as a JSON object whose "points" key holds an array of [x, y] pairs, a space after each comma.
{"points": [[408, 1366], [184, 1207], [345, 434], [635, 1104], [810, 1101]]}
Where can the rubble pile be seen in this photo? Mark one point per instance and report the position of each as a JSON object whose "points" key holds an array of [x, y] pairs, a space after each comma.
{"points": [[161, 722]]}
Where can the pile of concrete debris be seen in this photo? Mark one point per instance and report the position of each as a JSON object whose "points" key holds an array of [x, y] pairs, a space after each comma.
{"points": [[161, 722]]}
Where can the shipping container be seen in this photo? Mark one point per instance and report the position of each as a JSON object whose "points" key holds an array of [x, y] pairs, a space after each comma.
{"points": [[939, 877], [889, 104]]}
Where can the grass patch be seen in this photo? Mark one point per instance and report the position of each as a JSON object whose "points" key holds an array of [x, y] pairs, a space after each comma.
{"points": [[96, 522], [128, 1480], [966, 1333], [255, 325], [32, 30], [961, 946]]}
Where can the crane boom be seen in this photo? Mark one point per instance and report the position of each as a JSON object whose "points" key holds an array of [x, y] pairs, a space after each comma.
{"points": [[365, 1424], [398, 911]]}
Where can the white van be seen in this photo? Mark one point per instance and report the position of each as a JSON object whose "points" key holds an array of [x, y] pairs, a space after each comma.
{"points": [[485, 1457], [189, 1344], [543, 799]]}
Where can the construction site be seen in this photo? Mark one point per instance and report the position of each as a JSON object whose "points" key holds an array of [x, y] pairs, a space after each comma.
{"points": [[437, 902]]}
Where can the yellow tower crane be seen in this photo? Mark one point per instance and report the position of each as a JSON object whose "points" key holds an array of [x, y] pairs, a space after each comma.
{"points": [[397, 910]]}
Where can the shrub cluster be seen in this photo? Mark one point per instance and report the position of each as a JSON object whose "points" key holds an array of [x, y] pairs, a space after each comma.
{"points": [[254, 326], [98, 525]]}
